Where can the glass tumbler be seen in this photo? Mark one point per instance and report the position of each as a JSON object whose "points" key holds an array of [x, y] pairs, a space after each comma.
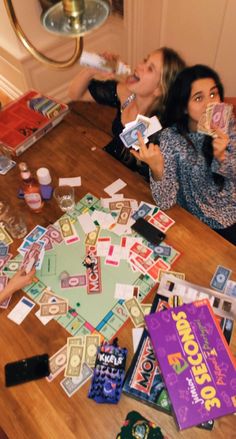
{"points": [[65, 197], [16, 226]]}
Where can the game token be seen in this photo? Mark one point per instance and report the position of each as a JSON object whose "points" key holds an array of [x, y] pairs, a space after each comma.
{"points": [[63, 275], [89, 199], [89, 262]]}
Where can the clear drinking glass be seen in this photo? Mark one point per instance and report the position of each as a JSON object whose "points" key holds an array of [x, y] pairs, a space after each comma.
{"points": [[13, 222], [16, 226], [65, 197]]}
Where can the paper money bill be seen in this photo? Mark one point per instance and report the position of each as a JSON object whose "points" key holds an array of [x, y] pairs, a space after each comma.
{"points": [[71, 384], [74, 361], [54, 309], [91, 238], [216, 115], [177, 274], [117, 205], [124, 215], [135, 311], [75, 341], [57, 363], [54, 234], [66, 228], [12, 265], [146, 308], [90, 350], [48, 296], [75, 281], [220, 116]]}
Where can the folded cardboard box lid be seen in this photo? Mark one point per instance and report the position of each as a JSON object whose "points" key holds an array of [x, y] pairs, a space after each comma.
{"points": [[26, 119]]}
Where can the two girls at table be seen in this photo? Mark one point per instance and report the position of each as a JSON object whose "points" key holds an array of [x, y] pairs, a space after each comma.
{"points": [[194, 170]]}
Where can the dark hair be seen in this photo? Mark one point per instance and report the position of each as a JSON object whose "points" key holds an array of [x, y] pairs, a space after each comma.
{"points": [[172, 65], [177, 102]]}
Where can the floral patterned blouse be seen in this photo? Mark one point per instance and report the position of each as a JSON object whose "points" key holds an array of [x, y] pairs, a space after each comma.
{"points": [[188, 180]]}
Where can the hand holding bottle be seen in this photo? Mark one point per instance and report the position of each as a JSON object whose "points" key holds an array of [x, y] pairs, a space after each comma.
{"points": [[106, 62]]}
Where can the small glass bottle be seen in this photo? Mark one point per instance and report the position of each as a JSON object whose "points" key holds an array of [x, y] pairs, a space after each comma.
{"points": [[31, 189], [94, 60]]}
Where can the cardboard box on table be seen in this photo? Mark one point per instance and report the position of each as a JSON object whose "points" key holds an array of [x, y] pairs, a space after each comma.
{"points": [[25, 120]]}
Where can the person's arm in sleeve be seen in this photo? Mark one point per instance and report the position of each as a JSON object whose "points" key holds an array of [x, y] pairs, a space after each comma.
{"points": [[224, 150], [163, 170], [79, 86]]}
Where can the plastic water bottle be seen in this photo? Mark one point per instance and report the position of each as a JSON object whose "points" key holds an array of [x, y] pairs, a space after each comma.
{"points": [[94, 60]]}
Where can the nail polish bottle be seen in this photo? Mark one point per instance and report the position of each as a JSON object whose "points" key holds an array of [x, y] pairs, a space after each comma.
{"points": [[44, 179]]}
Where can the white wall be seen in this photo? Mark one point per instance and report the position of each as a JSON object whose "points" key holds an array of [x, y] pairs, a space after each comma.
{"points": [[201, 30], [28, 13], [19, 71]]}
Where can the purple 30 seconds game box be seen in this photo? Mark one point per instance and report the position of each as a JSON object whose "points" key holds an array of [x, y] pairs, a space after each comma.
{"points": [[196, 363]]}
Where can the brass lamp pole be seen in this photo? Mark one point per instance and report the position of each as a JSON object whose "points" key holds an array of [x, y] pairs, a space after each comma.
{"points": [[69, 18]]}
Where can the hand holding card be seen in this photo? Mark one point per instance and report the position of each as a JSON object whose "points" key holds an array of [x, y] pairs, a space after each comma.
{"points": [[145, 125], [216, 115]]}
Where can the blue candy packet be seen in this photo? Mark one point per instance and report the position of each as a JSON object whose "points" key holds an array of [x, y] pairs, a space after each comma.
{"points": [[109, 373]]}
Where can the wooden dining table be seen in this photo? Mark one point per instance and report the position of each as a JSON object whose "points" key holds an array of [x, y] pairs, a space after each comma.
{"points": [[39, 409]]}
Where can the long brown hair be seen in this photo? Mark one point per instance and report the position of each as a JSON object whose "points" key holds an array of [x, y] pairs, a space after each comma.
{"points": [[172, 65]]}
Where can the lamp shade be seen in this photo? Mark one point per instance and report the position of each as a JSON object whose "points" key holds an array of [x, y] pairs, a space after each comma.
{"points": [[73, 18]]}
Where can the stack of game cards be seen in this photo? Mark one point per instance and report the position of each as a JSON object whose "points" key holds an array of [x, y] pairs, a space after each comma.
{"points": [[33, 249], [145, 125], [216, 115], [45, 106]]}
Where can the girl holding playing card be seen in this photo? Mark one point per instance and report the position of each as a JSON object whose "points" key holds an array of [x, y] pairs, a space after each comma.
{"points": [[18, 281], [143, 92], [195, 170]]}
